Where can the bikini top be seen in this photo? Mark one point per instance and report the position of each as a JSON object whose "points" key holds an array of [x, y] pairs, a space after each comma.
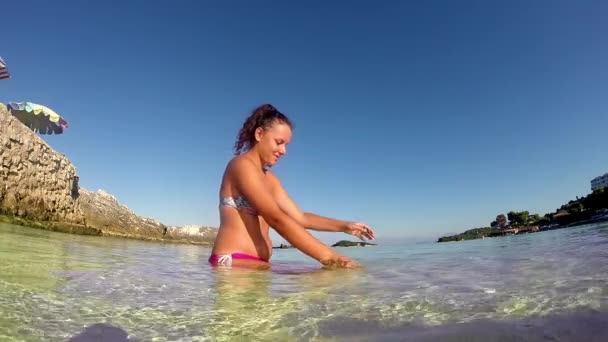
{"points": [[239, 203]]}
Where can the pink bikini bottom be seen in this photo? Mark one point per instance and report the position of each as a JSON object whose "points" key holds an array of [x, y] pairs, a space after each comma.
{"points": [[226, 259]]}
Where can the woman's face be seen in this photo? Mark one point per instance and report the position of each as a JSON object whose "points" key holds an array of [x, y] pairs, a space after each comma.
{"points": [[272, 142]]}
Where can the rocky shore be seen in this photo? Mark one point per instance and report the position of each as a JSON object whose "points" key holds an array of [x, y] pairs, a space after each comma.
{"points": [[39, 188], [346, 243]]}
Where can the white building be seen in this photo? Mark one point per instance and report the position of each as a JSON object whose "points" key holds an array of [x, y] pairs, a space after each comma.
{"points": [[598, 182]]}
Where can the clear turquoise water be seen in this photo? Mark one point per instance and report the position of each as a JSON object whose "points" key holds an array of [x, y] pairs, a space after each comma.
{"points": [[545, 286]]}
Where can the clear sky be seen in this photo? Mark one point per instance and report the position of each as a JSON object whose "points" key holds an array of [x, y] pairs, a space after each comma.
{"points": [[419, 118]]}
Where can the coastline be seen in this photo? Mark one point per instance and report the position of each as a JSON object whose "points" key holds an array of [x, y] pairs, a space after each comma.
{"points": [[79, 229], [522, 230]]}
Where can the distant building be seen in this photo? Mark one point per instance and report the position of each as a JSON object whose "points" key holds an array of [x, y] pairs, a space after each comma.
{"points": [[599, 182]]}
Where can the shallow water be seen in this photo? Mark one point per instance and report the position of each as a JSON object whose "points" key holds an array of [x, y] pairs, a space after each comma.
{"points": [[550, 286]]}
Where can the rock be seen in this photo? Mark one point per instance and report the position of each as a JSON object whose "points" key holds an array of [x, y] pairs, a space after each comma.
{"points": [[192, 232], [21, 173], [346, 243], [103, 211], [101, 332]]}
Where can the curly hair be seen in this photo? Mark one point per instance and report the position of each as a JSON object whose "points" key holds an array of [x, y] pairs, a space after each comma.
{"points": [[263, 116]]}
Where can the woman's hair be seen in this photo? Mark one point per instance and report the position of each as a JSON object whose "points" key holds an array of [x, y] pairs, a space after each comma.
{"points": [[264, 116]]}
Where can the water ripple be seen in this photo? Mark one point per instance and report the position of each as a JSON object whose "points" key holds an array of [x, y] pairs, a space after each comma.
{"points": [[57, 286]]}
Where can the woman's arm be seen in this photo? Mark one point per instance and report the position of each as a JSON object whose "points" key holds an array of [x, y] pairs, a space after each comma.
{"points": [[313, 221], [250, 183], [321, 223]]}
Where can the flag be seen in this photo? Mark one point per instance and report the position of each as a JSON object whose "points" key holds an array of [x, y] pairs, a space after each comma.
{"points": [[3, 70]]}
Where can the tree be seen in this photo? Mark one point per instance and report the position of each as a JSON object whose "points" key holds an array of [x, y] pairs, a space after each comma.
{"points": [[543, 221], [533, 218], [518, 218], [494, 224], [598, 199]]}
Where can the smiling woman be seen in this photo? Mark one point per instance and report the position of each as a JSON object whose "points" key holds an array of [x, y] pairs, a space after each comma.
{"points": [[252, 200]]}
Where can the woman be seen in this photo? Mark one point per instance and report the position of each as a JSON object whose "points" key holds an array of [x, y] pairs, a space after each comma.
{"points": [[252, 199]]}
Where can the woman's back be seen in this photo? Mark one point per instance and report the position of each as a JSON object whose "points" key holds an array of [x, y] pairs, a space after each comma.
{"points": [[241, 229]]}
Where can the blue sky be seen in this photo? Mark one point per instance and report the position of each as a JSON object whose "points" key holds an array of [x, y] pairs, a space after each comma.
{"points": [[418, 118]]}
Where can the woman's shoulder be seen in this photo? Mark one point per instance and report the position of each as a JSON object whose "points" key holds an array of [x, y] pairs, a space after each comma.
{"points": [[238, 162], [240, 166]]}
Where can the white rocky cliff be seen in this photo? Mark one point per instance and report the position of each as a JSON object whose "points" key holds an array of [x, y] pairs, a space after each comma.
{"points": [[41, 185]]}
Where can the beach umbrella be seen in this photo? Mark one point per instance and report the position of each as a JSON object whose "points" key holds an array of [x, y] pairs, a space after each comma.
{"points": [[39, 118], [3, 70]]}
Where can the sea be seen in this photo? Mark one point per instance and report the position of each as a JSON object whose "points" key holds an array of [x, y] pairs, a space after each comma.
{"points": [[547, 286]]}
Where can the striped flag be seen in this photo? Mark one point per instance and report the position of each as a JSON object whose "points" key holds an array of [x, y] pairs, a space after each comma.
{"points": [[3, 70]]}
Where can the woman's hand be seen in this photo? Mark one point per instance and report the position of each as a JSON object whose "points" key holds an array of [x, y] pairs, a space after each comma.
{"points": [[339, 261], [360, 230]]}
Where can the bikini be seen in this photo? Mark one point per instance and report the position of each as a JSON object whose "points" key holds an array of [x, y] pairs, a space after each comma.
{"points": [[239, 203]]}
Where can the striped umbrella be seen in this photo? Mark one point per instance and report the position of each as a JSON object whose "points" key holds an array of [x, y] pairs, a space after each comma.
{"points": [[39, 118], [3, 70]]}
